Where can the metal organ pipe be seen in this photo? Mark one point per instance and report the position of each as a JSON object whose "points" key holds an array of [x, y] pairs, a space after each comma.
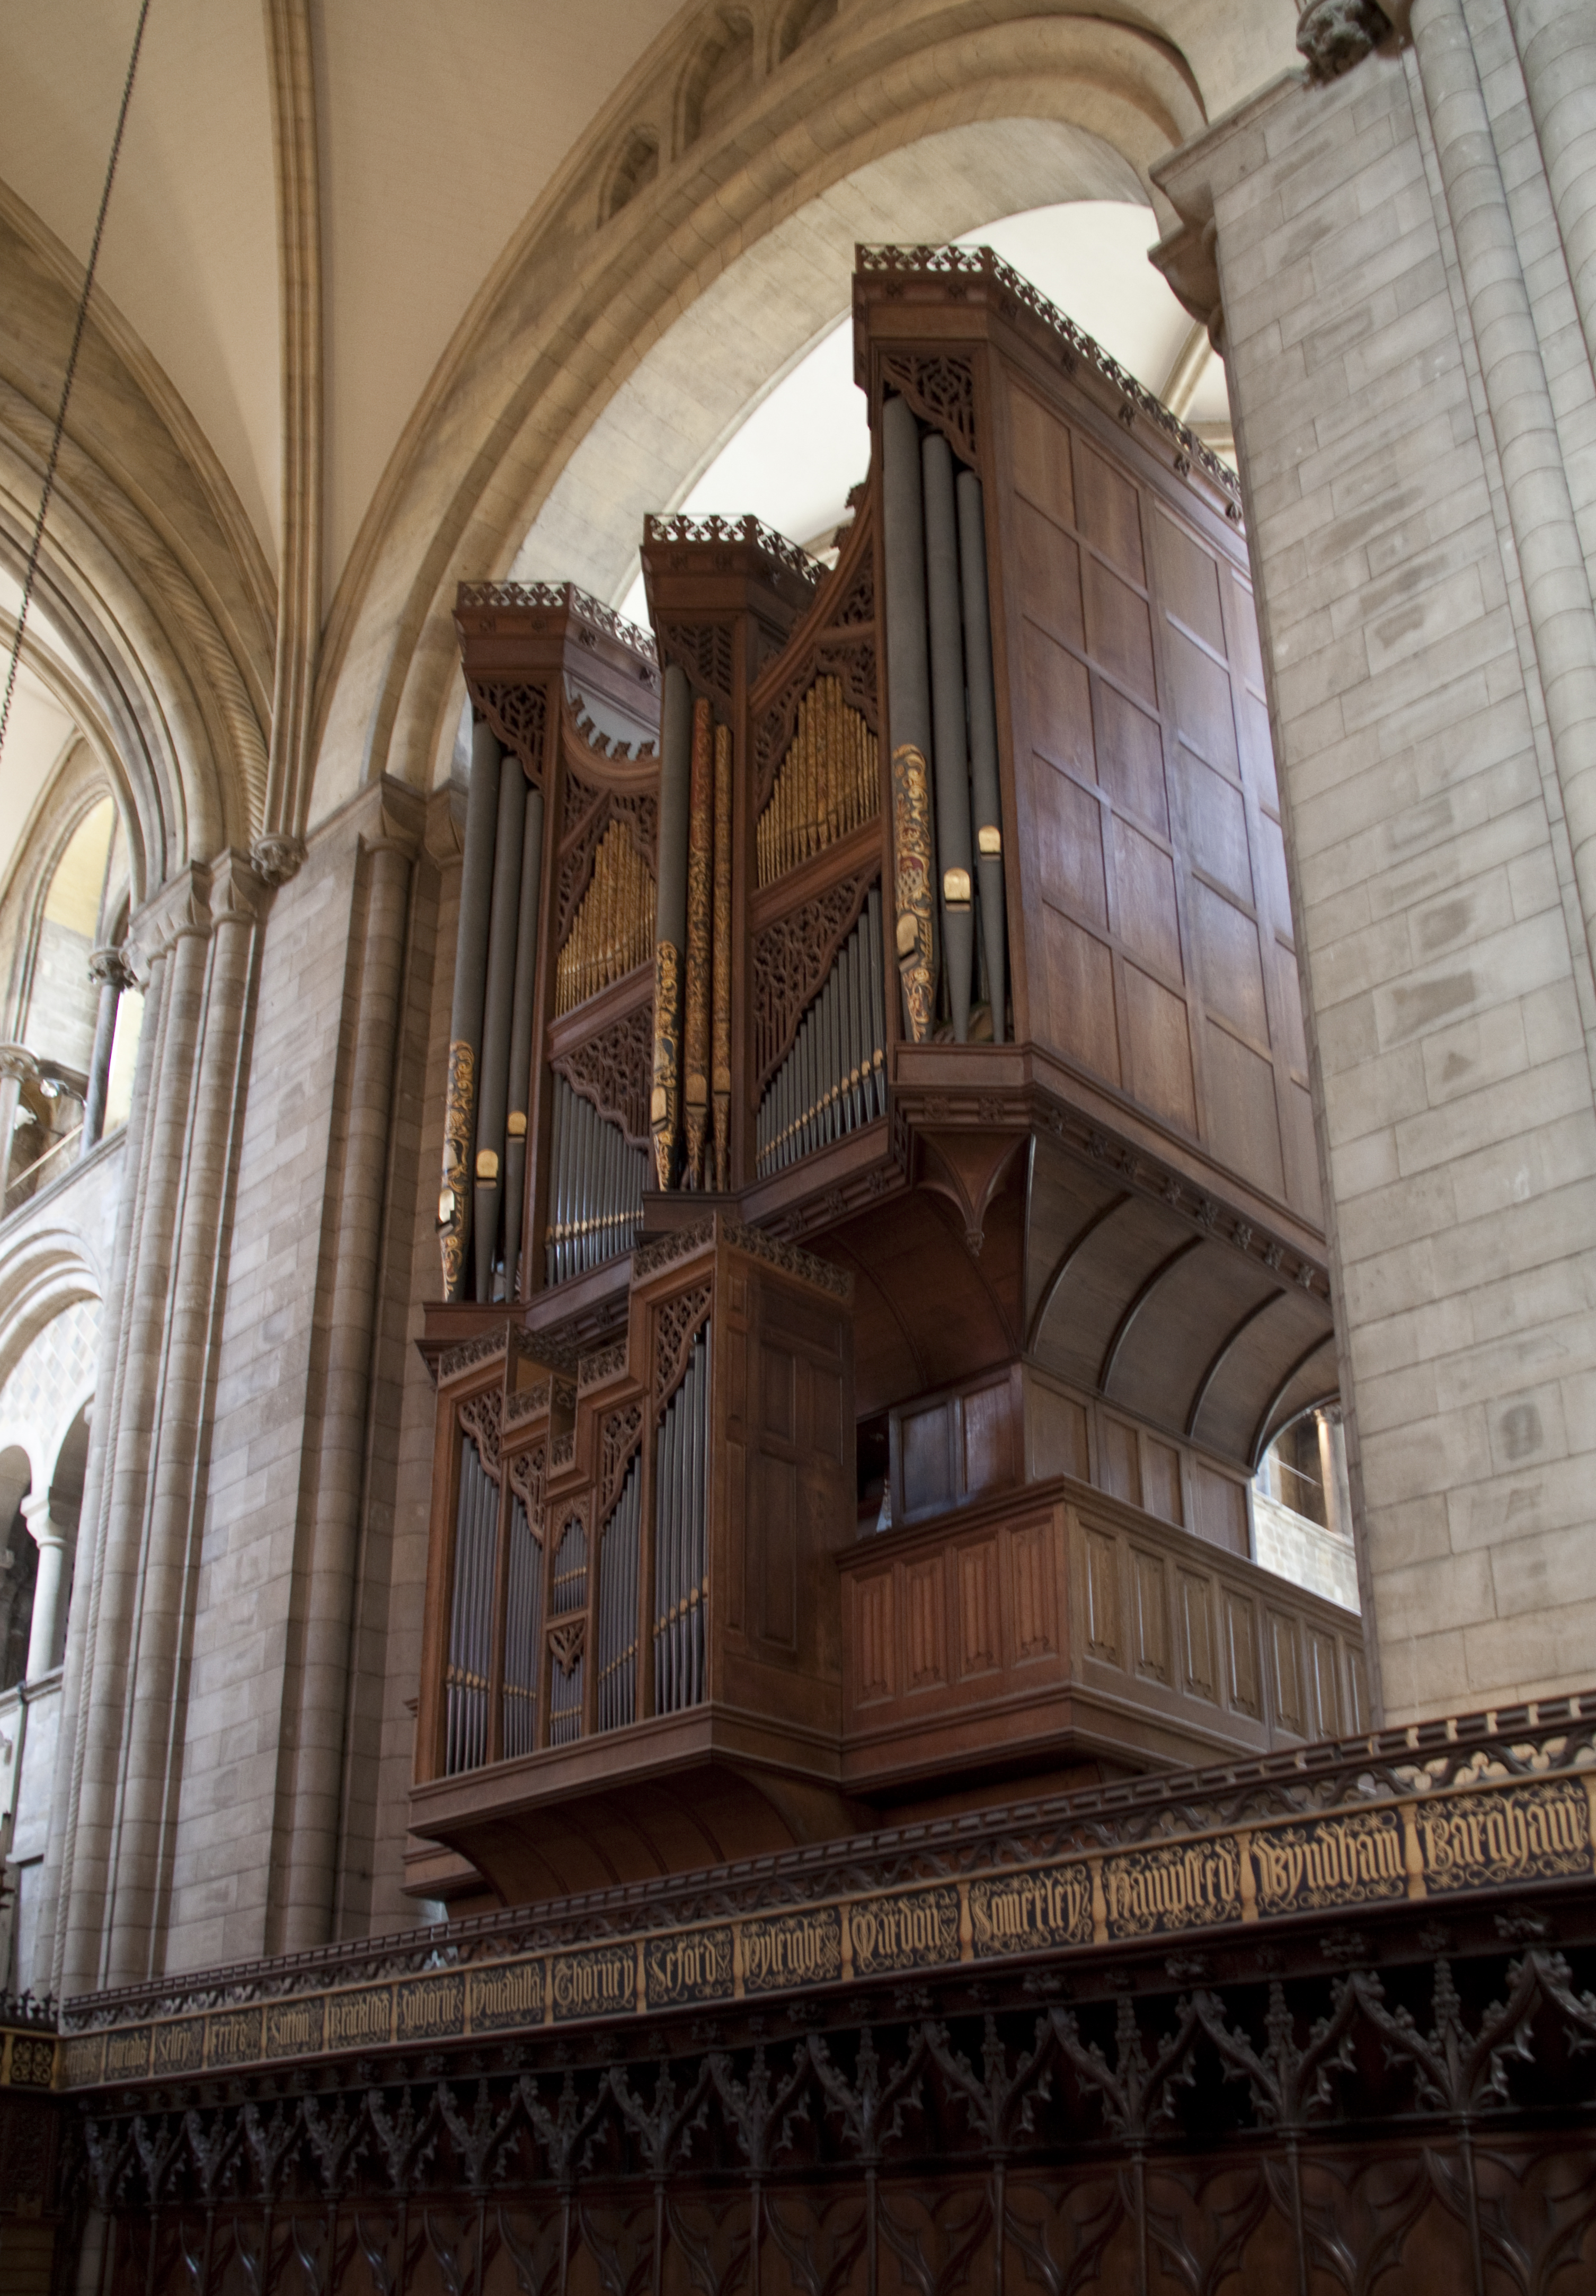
{"points": [[985, 793], [465, 1016], [700, 880], [617, 1607], [720, 1061], [908, 686], [471, 1616], [500, 996], [670, 943], [834, 1076], [948, 709], [595, 1187], [521, 1034]]}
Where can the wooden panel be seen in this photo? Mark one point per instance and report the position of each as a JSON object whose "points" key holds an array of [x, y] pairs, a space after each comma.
{"points": [[1197, 1635], [1160, 1039], [990, 1437], [1058, 702], [1118, 630], [1218, 1509], [1080, 996], [1301, 1152], [737, 1502], [1358, 1683], [825, 1415], [1190, 577], [1242, 1686], [1069, 845], [1042, 455], [1324, 1686], [1243, 1122], [1103, 1598], [778, 1402], [1215, 818], [1232, 974], [1144, 911], [1110, 514], [1130, 756], [1031, 1551], [925, 1660], [1285, 1650], [978, 1608], [1201, 703], [1161, 1479], [873, 1674], [1059, 1445], [928, 1460], [1050, 574], [776, 1549], [1119, 1467], [1151, 1589]]}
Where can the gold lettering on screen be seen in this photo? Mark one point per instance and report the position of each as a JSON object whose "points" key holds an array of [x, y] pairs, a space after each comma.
{"points": [[509, 1995], [1532, 1833], [1022, 1912], [431, 2008], [602, 1983], [233, 2036], [1336, 1862], [911, 1932], [356, 2021], [1172, 1887], [695, 1965], [790, 1949]]}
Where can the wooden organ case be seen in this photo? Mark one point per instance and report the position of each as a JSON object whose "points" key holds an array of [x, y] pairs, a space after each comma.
{"points": [[881, 1226]]}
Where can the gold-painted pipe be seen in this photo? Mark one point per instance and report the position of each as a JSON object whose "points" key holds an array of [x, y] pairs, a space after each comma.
{"points": [[721, 1063], [701, 875]]}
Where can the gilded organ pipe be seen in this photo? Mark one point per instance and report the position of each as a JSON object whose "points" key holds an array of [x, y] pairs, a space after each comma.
{"points": [[613, 929], [465, 1017], [720, 1078], [671, 925], [700, 877], [908, 681], [829, 784]]}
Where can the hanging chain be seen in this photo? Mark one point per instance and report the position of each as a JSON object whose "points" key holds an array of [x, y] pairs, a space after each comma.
{"points": [[66, 388]]}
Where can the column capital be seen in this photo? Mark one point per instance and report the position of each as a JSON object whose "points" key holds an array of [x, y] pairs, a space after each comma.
{"points": [[18, 1064], [1335, 35], [110, 966], [44, 1528]]}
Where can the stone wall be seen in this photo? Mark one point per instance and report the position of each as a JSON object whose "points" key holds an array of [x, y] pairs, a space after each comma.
{"points": [[1445, 956]]}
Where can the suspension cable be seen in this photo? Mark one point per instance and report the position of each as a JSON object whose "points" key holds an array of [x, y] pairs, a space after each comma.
{"points": [[66, 388]]}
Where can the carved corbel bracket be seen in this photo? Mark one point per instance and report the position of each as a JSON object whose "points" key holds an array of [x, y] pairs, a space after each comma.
{"points": [[1189, 259], [968, 1167], [1335, 35], [277, 856]]}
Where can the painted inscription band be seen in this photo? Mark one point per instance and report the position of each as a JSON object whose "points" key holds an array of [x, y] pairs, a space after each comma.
{"points": [[1476, 1837]]}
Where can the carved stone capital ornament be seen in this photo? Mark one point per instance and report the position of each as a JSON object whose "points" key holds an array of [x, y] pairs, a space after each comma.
{"points": [[110, 966], [276, 856]]}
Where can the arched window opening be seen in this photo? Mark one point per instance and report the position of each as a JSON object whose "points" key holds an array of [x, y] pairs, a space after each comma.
{"points": [[18, 1568], [1302, 1508]]}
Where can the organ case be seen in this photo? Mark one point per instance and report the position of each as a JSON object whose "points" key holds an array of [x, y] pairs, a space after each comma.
{"points": [[939, 925]]}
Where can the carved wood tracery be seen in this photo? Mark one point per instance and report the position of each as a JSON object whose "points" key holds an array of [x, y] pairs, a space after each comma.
{"points": [[519, 715], [481, 1417], [791, 959], [704, 651], [611, 1069], [677, 1324], [622, 1433], [940, 387]]}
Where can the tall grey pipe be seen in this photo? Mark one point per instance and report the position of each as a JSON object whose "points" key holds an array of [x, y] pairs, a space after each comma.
{"points": [[1556, 588], [520, 1035], [947, 717], [902, 525], [470, 984], [1556, 48], [503, 950], [985, 794]]}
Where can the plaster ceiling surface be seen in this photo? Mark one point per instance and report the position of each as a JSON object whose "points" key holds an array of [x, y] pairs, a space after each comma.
{"points": [[190, 251], [439, 128], [40, 737]]}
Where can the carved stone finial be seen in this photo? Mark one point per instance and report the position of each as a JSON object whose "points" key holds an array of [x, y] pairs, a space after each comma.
{"points": [[1334, 34], [276, 856]]}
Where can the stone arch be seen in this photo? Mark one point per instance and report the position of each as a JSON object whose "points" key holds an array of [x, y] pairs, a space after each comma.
{"points": [[634, 166], [719, 76], [800, 23], [562, 324], [48, 1382], [153, 612]]}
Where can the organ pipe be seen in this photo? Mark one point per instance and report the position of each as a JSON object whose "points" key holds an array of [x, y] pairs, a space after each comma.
{"points": [[834, 1078], [470, 1615], [720, 1077], [829, 784], [523, 1633], [952, 762], [681, 1579], [908, 685], [613, 929], [700, 881], [465, 1017], [520, 1035], [496, 1019], [670, 929], [595, 1188], [986, 798], [617, 1653]]}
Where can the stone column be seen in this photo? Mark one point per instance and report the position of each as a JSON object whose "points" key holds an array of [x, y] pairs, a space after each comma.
{"points": [[17, 1065], [140, 1874], [1556, 48], [1556, 589], [316, 1798], [49, 1535], [111, 969], [1332, 1468], [176, 929]]}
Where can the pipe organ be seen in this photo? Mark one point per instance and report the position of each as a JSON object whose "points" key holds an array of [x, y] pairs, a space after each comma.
{"points": [[879, 1227]]}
